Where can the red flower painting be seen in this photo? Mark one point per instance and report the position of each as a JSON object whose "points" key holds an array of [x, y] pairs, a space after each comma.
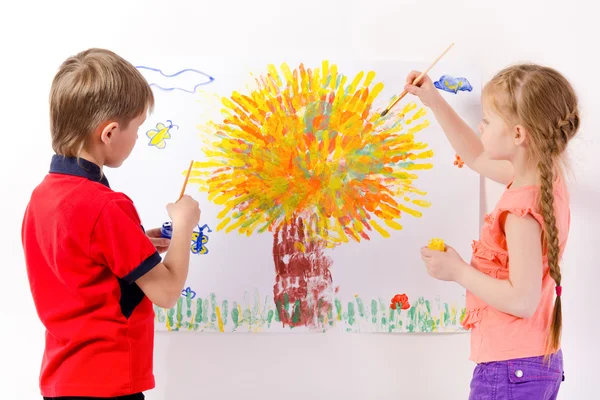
{"points": [[400, 300]]}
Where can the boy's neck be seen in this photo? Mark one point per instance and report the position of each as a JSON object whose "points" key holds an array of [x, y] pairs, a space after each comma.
{"points": [[87, 155]]}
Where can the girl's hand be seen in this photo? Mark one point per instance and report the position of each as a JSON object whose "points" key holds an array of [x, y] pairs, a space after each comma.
{"points": [[443, 265], [161, 244], [425, 90]]}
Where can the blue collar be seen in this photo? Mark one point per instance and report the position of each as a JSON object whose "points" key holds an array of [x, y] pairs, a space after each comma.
{"points": [[83, 168]]}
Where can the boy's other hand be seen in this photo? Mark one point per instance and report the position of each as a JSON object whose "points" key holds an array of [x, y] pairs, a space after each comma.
{"points": [[161, 244]]}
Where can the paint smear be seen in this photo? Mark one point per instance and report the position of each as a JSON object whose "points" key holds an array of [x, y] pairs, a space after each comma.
{"points": [[450, 84], [458, 161], [302, 277], [219, 319], [186, 80]]}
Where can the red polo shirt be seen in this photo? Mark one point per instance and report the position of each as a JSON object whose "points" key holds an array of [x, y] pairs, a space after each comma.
{"points": [[84, 249]]}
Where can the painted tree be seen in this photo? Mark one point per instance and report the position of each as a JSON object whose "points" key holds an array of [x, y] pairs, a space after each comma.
{"points": [[305, 156]]}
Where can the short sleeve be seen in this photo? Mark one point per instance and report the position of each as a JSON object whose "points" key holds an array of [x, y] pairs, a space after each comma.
{"points": [[119, 241]]}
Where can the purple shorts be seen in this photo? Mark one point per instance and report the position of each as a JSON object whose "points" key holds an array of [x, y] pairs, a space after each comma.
{"points": [[523, 378]]}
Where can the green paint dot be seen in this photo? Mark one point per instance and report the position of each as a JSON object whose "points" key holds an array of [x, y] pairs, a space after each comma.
{"points": [[179, 312], [374, 312], [277, 308], [205, 305], [361, 307], [188, 302], [198, 318], [248, 317], [170, 316], [297, 312], [270, 318], [213, 304], [351, 318], [446, 314], [225, 311], [321, 316], [338, 308], [235, 314]]}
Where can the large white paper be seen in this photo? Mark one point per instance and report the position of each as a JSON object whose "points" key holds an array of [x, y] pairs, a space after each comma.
{"points": [[232, 280]]}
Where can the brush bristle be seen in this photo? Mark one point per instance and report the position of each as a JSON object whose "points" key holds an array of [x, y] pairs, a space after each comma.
{"points": [[383, 114]]}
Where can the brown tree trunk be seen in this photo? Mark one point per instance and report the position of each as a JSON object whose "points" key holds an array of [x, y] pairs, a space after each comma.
{"points": [[303, 285]]}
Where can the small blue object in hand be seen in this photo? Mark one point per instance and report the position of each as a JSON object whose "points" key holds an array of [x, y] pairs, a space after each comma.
{"points": [[166, 231]]}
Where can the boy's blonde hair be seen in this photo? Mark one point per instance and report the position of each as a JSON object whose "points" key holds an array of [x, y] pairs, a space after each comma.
{"points": [[542, 100], [90, 88]]}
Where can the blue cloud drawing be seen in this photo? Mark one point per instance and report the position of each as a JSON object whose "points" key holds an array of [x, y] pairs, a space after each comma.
{"points": [[453, 85], [186, 80]]}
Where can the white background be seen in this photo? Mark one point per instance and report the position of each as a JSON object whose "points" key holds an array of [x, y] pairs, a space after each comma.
{"points": [[37, 36]]}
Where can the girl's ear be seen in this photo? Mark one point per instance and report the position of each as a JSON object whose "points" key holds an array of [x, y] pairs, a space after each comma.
{"points": [[520, 135]]}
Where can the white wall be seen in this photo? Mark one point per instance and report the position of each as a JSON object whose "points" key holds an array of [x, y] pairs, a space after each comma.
{"points": [[37, 35]]}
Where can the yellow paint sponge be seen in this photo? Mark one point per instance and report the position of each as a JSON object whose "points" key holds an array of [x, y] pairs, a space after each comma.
{"points": [[437, 244]]}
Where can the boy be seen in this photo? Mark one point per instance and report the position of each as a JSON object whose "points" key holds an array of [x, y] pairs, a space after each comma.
{"points": [[94, 273]]}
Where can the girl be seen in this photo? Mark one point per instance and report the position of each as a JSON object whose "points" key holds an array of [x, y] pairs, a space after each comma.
{"points": [[530, 114]]}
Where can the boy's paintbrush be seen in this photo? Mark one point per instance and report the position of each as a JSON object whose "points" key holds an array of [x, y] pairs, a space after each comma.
{"points": [[186, 180]]}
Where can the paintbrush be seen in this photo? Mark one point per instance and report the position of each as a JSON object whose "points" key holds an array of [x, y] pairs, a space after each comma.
{"points": [[186, 180], [417, 80]]}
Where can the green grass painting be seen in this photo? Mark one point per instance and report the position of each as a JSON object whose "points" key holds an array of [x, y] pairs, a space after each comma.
{"points": [[258, 313]]}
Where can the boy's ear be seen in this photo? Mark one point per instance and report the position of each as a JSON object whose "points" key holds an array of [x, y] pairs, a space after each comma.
{"points": [[107, 130]]}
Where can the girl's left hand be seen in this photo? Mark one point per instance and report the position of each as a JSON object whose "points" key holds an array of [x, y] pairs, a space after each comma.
{"points": [[443, 265]]}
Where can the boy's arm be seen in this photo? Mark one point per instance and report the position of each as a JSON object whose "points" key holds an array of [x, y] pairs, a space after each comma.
{"points": [[163, 283], [119, 241]]}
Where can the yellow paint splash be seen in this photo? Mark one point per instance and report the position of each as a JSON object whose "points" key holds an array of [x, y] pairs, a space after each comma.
{"points": [[219, 319]]}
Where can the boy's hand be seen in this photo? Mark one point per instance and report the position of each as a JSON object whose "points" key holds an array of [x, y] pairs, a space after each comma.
{"points": [[424, 90], [443, 265], [184, 213], [161, 244]]}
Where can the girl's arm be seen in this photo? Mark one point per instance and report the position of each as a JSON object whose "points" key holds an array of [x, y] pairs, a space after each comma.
{"points": [[521, 293], [462, 138], [468, 146]]}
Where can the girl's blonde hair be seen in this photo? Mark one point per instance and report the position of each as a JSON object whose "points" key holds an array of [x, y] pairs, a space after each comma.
{"points": [[544, 103], [90, 88]]}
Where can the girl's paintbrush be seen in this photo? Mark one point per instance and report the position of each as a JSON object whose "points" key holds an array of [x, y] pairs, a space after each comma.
{"points": [[404, 92]]}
